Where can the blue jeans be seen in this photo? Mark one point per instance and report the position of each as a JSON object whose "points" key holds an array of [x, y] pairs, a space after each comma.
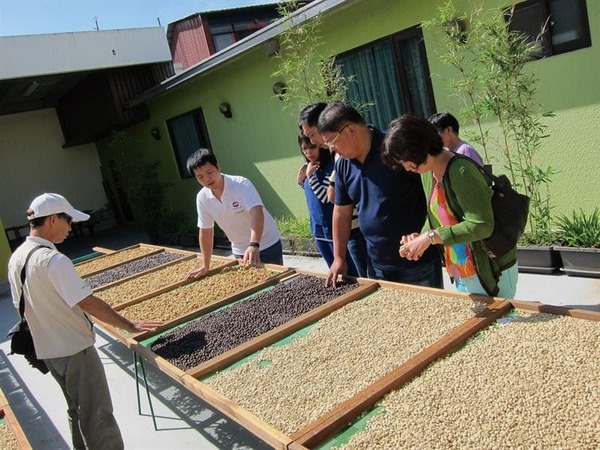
{"points": [[270, 255], [357, 248], [429, 275], [507, 284]]}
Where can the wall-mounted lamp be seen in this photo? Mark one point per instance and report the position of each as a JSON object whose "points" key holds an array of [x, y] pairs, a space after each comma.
{"points": [[225, 109], [279, 89], [32, 87], [155, 132]]}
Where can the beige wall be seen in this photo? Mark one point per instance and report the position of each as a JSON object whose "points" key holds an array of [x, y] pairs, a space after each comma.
{"points": [[32, 161]]}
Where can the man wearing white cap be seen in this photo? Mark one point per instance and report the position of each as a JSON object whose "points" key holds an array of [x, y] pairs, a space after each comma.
{"points": [[57, 305]]}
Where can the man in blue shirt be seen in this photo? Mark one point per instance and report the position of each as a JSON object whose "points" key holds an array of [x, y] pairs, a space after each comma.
{"points": [[390, 203]]}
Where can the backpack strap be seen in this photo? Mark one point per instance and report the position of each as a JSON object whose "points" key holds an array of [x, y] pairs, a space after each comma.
{"points": [[23, 276]]}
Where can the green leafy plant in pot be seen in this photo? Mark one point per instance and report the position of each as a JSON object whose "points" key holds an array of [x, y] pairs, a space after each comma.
{"points": [[579, 239]]}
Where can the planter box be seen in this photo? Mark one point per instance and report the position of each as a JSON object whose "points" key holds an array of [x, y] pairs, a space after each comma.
{"points": [[580, 262], [544, 260], [299, 246]]}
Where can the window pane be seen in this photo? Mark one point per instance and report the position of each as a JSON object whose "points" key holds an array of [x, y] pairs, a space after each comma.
{"points": [[188, 134], [529, 18], [417, 76], [565, 21], [392, 76], [376, 83], [223, 40]]}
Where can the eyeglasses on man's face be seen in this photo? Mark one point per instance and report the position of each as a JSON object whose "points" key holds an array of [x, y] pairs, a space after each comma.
{"points": [[66, 218], [331, 143]]}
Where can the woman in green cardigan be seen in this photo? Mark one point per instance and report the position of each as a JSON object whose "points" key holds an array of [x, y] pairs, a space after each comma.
{"points": [[458, 218]]}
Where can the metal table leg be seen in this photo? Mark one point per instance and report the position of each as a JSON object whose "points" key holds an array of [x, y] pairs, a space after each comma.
{"points": [[136, 360]]}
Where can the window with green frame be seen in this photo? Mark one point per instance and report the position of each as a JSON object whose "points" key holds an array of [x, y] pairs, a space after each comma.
{"points": [[391, 76], [188, 133]]}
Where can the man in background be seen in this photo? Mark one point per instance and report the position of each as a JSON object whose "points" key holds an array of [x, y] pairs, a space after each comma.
{"points": [[235, 205], [448, 127]]}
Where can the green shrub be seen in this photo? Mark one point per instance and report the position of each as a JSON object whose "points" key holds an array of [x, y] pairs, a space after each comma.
{"points": [[290, 227], [579, 229]]}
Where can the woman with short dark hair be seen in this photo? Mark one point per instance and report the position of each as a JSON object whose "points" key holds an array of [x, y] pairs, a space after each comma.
{"points": [[459, 217]]}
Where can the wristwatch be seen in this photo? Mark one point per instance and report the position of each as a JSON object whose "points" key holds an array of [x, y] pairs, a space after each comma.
{"points": [[254, 244], [431, 236]]}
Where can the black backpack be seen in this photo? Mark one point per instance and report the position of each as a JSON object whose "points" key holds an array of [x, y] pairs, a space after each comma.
{"points": [[511, 209]]}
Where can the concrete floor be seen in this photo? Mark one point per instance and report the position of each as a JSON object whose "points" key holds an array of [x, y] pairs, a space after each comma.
{"points": [[184, 422]]}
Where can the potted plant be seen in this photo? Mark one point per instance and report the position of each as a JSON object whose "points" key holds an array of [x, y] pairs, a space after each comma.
{"points": [[579, 238], [295, 236], [538, 255]]}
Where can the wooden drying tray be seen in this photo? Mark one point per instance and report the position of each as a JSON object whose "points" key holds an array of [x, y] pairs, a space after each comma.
{"points": [[346, 412], [254, 424], [365, 288], [227, 262], [279, 272], [134, 341], [316, 433], [153, 269], [175, 250], [8, 415], [187, 255], [112, 266], [260, 428], [124, 336], [276, 438]]}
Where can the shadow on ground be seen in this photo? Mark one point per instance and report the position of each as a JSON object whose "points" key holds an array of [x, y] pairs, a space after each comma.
{"points": [[187, 407]]}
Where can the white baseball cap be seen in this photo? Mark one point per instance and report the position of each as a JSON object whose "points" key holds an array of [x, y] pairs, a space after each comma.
{"points": [[48, 204]]}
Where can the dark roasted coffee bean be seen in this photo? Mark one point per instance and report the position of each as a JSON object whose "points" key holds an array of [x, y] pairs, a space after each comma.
{"points": [[218, 332]]}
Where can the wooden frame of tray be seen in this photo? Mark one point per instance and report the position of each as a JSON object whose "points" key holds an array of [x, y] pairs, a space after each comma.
{"points": [[584, 314], [108, 255], [263, 430], [186, 257], [279, 272], [14, 426], [276, 334], [3, 400], [318, 432], [130, 277], [344, 413]]}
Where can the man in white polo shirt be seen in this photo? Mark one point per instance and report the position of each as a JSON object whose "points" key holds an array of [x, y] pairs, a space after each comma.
{"points": [[235, 205], [57, 304]]}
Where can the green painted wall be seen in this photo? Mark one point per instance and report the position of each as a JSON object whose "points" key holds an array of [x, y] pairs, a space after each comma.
{"points": [[568, 85], [259, 141], [4, 254]]}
